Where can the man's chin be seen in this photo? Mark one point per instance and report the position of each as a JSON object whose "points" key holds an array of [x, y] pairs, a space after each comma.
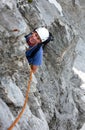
{"points": [[31, 44]]}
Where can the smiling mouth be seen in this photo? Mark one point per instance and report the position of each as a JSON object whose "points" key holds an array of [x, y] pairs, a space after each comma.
{"points": [[31, 42]]}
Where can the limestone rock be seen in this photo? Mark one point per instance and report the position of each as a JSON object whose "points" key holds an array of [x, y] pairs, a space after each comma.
{"points": [[56, 100], [6, 117]]}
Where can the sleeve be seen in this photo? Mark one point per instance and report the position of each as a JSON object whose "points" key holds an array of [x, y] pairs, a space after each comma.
{"points": [[37, 59]]}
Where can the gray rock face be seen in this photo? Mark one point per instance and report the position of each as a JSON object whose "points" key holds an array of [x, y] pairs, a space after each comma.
{"points": [[6, 116], [55, 99]]}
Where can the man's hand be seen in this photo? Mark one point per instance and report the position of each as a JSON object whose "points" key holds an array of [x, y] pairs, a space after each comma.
{"points": [[34, 68]]}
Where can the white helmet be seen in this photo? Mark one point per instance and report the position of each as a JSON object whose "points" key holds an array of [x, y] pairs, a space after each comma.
{"points": [[43, 33]]}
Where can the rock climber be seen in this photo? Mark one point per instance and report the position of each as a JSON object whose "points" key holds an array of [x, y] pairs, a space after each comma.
{"points": [[34, 53]]}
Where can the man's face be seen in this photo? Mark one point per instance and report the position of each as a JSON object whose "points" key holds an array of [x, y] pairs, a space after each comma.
{"points": [[34, 39]]}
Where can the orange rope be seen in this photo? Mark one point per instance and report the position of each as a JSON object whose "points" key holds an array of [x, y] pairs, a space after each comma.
{"points": [[24, 106]]}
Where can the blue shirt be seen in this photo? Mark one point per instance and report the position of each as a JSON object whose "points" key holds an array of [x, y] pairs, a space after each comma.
{"points": [[37, 58]]}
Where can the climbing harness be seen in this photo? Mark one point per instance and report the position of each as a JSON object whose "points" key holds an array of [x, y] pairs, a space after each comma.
{"points": [[25, 102]]}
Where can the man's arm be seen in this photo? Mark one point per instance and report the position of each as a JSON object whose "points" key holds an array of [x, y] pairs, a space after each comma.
{"points": [[37, 60]]}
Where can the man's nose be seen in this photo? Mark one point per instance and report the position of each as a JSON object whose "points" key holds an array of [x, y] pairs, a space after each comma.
{"points": [[34, 37]]}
